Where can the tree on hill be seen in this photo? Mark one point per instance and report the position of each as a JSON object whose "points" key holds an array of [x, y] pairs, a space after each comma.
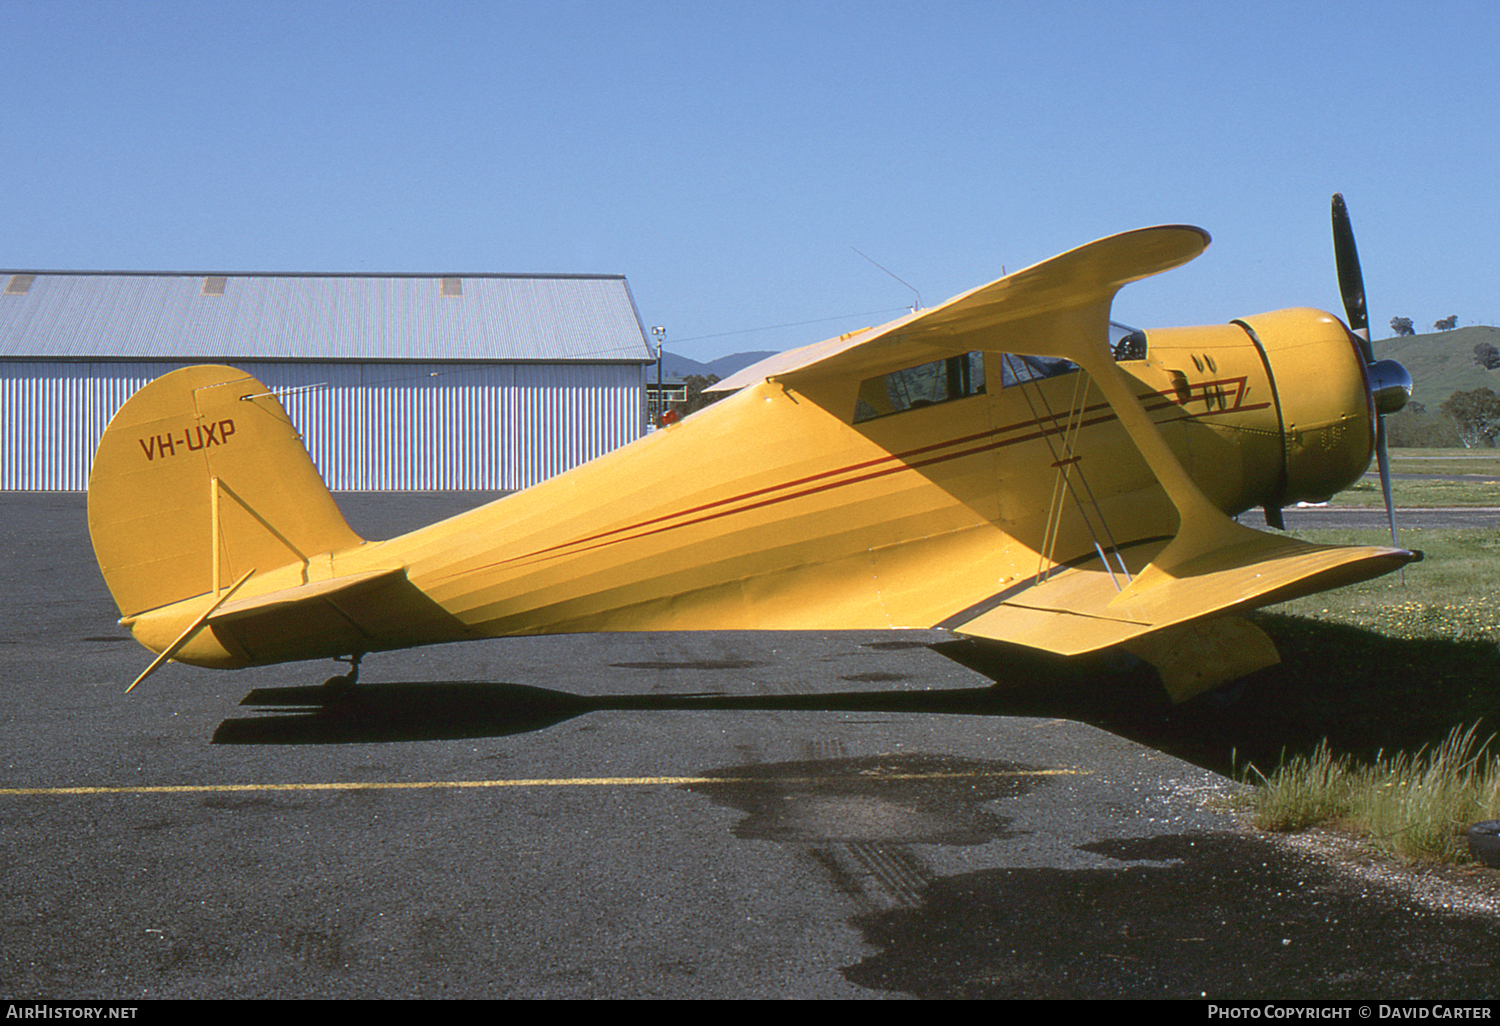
{"points": [[1476, 414], [1447, 323], [1402, 326], [1487, 355], [1418, 429]]}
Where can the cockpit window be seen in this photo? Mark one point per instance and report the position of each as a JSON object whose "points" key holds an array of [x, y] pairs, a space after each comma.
{"points": [[959, 377], [1016, 368], [1126, 343], [940, 381], [1131, 347]]}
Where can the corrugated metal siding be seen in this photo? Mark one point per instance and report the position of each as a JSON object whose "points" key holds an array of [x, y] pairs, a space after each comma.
{"points": [[372, 427], [84, 315]]}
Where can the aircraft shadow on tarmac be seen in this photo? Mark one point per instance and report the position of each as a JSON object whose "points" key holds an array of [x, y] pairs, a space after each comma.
{"points": [[1356, 690], [430, 711], [433, 710]]}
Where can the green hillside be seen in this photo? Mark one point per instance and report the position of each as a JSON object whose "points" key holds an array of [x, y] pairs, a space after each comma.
{"points": [[1440, 363]]}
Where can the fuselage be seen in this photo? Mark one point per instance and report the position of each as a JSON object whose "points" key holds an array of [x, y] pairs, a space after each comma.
{"points": [[885, 502]]}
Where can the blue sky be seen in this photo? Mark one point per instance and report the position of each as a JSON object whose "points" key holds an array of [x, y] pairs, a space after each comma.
{"points": [[729, 157]]}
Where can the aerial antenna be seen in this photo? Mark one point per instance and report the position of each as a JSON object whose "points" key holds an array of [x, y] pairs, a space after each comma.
{"points": [[916, 305]]}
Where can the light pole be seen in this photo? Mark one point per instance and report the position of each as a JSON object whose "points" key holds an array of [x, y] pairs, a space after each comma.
{"points": [[661, 337]]}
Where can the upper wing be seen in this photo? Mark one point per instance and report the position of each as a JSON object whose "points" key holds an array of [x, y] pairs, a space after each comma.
{"points": [[1083, 280]]}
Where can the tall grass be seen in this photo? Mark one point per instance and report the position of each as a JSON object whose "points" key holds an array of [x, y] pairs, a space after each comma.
{"points": [[1413, 805], [1303, 792], [1423, 655]]}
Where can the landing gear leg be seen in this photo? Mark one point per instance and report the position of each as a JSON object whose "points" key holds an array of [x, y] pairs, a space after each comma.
{"points": [[348, 679]]}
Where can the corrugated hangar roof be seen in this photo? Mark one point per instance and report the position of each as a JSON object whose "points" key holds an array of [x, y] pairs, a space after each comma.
{"points": [[75, 315]]}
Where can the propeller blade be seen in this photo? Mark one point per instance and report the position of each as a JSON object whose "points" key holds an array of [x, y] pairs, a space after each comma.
{"points": [[1390, 384], [1351, 281], [1383, 461]]}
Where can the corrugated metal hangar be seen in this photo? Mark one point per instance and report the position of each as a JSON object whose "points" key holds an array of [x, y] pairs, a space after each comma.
{"points": [[396, 381]]}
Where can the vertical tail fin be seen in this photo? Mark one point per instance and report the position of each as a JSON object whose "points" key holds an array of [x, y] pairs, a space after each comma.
{"points": [[199, 478]]}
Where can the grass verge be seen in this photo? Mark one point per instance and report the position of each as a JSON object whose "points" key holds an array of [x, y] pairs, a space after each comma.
{"points": [[1373, 679], [1415, 805], [1438, 637], [1433, 494]]}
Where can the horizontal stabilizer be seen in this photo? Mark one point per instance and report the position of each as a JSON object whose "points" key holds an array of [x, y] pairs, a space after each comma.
{"points": [[329, 591], [361, 612]]}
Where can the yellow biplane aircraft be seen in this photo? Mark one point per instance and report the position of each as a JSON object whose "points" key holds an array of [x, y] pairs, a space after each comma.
{"points": [[995, 466]]}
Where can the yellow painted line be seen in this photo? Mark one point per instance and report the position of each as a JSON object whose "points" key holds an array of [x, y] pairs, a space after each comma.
{"points": [[418, 785]]}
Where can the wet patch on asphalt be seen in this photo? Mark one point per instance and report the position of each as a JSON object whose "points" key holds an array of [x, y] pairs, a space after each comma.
{"points": [[1220, 915], [909, 799]]}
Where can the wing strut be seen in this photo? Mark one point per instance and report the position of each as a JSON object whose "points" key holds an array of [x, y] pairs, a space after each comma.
{"points": [[1065, 463]]}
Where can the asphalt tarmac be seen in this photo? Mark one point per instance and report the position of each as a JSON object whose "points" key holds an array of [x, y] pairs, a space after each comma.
{"points": [[666, 815]]}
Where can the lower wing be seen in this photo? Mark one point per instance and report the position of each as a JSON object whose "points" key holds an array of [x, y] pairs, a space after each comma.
{"points": [[1180, 619]]}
